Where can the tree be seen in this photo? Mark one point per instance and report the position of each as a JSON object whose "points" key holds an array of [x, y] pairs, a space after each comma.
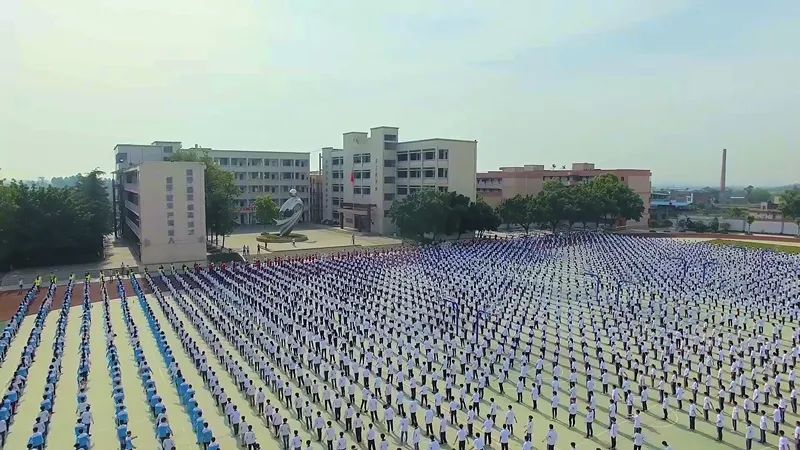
{"points": [[266, 210], [790, 206], [750, 220], [759, 195], [551, 203], [518, 210], [220, 193], [482, 217], [91, 190], [747, 193]]}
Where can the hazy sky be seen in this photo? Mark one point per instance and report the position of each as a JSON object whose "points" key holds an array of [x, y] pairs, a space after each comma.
{"points": [[657, 84]]}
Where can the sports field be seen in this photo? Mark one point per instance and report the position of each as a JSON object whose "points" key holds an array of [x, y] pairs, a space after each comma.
{"points": [[478, 315]]}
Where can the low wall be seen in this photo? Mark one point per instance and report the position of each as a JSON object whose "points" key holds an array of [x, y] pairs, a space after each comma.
{"points": [[293, 253]]}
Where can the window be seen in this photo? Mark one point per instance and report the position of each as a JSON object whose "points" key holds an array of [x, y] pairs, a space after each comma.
{"points": [[190, 232], [287, 175], [189, 189], [170, 223], [390, 137], [390, 145], [337, 174], [366, 190], [388, 163], [189, 197], [190, 215], [170, 233], [357, 190], [167, 149], [337, 161], [388, 196], [287, 162], [336, 201], [190, 207], [429, 173], [430, 154], [169, 205], [169, 180], [190, 224], [357, 159], [414, 173], [122, 157], [402, 190], [189, 172], [365, 174], [170, 214], [402, 173], [442, 172], [365, 158], [443, 153], [299, 163], [388, 180], [189, 180], [402, 156], [169, 197], [413, 189], [442, 188], [414, 156]]}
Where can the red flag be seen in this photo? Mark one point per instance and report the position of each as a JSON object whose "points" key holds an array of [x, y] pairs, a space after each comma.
{"points": [[352, 177]]}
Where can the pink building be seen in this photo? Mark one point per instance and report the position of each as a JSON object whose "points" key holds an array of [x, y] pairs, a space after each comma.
{"points": [[497, 185]]}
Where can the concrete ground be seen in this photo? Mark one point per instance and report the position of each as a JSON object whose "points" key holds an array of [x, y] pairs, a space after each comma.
{"points": [[116, 255], [318, 237]]}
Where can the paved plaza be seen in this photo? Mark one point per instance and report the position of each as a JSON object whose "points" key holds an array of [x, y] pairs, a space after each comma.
{"points": [[319, 237]]}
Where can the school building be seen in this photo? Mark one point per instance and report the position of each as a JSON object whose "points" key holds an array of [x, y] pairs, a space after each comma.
{"points": [[362, 179]]}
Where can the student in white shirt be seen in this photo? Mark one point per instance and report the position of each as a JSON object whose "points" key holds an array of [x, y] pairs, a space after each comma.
{"points": [[551, 438]]}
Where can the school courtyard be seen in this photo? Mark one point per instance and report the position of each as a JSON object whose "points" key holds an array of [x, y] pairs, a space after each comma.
{"points": [[454, 335]]}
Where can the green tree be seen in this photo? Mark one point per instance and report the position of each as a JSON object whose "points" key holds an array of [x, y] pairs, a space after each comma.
{"points": [[748, 191], [424, 211], [552, 204], [483, 218], [220, 193], [266, 210], [750, 220], [790, 206], [91, 191], [518, 211], [759, 195]]}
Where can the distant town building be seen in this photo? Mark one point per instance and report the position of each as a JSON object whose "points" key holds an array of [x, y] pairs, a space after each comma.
{"points": [[372, 170], [162, 210], [498, 185], [256, 173]]}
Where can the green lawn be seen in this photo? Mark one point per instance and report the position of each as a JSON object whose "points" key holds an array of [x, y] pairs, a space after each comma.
{"points": [[758, 245]]}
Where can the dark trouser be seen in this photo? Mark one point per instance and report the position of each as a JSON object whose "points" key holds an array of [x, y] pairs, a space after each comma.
{"points": [[571, 420], [613, 442], [691, 422], [763, 436], [719, 433], [589, 429], [748, 444]]}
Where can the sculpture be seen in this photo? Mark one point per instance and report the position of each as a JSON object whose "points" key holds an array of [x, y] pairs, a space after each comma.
{"points": [[289, 214]]}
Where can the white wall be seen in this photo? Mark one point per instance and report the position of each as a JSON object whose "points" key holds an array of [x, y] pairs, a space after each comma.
{"points": [[156, 246], [763, 226]]}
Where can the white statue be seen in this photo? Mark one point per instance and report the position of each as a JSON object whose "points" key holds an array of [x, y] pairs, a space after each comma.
{"points": [[289, 214]]}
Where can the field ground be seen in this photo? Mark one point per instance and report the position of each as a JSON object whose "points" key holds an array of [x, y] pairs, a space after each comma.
{"points": [[789, 247]]}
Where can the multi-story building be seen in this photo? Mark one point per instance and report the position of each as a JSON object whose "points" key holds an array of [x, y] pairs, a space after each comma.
{"points": [[372, 170], [256, 173], [316, 186], [497, 185], [161, 209]]}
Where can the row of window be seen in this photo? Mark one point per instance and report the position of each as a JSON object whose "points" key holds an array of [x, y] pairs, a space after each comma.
{"points": [[274, 189], [361, 190], [427, 154], [359, 158], [441, 172], [337, 160], [255, 162], [407, 190], [242, 176]]}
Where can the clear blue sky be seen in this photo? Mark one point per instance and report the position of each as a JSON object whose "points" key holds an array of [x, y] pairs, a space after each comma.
{"points": [[627, 83]]}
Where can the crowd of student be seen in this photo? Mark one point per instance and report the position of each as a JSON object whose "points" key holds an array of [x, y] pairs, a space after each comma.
{"points": [[457, 344]]}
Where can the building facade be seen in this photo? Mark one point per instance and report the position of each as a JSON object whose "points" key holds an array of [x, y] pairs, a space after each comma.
{"points": [[316, 187], [162, 210], [498, 185], [362, 179], [256, 173]]}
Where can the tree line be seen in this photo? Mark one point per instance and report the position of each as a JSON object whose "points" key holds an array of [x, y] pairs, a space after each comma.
{"points": [[603, 200], [45, 225]]}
